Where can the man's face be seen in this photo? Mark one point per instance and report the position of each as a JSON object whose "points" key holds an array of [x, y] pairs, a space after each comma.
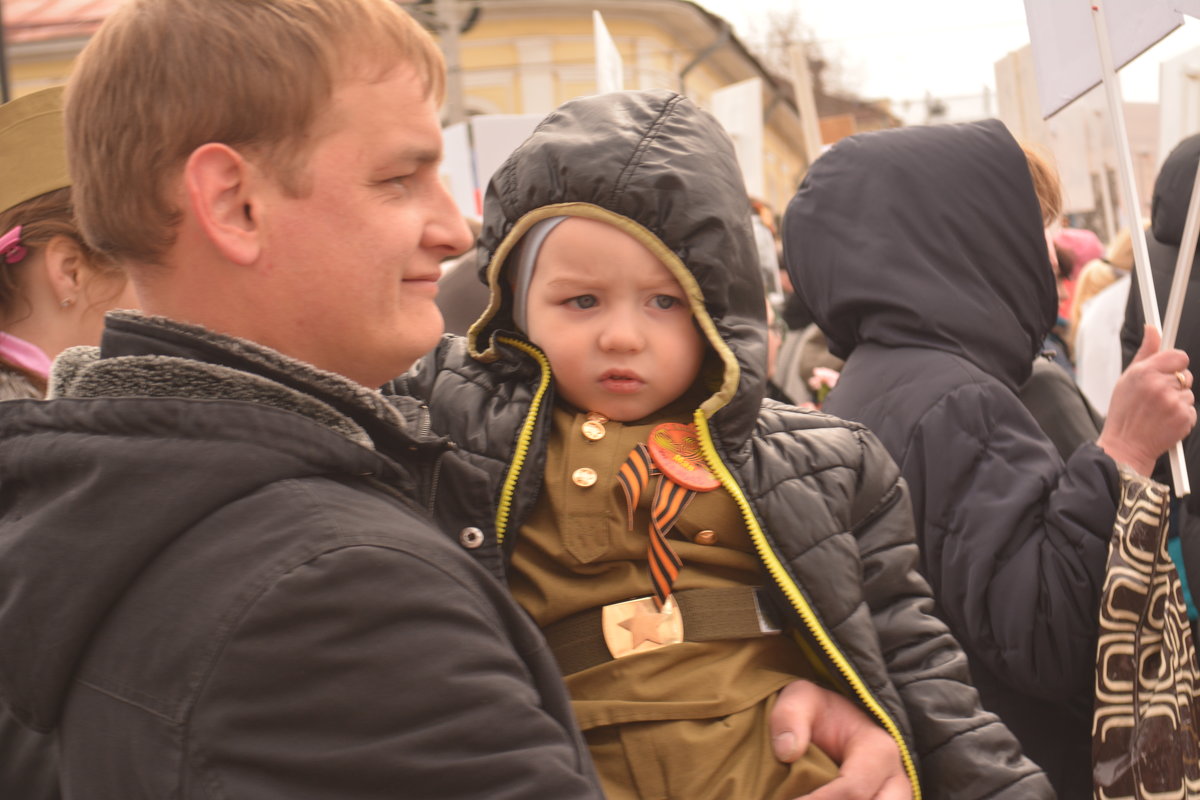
{"points": [[359, 253], [613, 321]]}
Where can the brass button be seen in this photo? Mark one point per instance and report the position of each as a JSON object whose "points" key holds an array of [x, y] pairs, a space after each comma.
{"points": [[593, 430], [584, 476], [706, 537]]}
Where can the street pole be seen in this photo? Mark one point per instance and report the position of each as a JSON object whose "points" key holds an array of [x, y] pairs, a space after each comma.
{"points": [[448, 28], [4, 90]]}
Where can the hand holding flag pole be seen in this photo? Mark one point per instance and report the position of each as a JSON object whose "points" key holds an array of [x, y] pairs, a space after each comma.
{"points": [[1129, 199]]}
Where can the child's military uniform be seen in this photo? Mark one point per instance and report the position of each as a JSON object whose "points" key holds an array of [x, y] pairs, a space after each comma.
{"points": [[647, 714]]}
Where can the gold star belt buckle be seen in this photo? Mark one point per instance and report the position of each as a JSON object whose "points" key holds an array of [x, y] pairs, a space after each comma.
{"points": [[636, 626]]}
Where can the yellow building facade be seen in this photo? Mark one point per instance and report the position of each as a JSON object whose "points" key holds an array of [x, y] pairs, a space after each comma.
{"points": [[519, 57], [529, 56]]}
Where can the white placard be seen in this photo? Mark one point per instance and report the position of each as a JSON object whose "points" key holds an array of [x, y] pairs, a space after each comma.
{"points": [[1178, 100], [739, 108], [458, 168], [495, 137], [610, 70], [1064, 42], [1189, 7]]}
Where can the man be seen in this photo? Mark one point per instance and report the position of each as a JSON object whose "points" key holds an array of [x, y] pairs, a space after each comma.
{"points": [[217, 578], [216, 575]]}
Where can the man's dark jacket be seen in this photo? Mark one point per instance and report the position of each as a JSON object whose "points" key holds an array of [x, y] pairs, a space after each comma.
{"points": [[921, 255], [215, 583], [1168, 213]]}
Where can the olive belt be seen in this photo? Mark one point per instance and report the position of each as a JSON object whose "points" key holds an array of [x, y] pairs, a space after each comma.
{"points": [[599, 635]]}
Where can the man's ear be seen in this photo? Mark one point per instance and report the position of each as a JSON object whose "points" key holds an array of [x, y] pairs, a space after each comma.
{"points": [[220, 184]]}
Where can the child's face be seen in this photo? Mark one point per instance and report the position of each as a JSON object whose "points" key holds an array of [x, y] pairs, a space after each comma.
{"points": [[613, 321]]}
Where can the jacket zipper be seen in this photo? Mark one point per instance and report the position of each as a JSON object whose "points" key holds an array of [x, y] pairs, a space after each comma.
{"points": [[523, 438], [426, 423], [433, 485], [799, 603], [423, 429]]}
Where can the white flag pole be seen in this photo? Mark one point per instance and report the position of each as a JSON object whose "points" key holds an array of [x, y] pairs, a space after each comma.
{"points": [[1129, 198]]}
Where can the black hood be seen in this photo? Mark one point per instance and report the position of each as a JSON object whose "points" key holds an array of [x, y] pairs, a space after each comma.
{"points": [[925, 237], [661, 169], [1173, 190]]}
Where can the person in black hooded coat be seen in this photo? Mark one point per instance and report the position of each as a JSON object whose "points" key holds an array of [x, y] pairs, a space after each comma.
{"points": [[1168, 213], [921, 253]]}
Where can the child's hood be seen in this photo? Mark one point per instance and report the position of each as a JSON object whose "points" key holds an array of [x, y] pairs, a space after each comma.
{"points": [[661, 169]]}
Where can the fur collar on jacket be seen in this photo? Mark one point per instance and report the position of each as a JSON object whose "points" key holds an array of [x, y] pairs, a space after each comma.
{"points": [[89, 372]]}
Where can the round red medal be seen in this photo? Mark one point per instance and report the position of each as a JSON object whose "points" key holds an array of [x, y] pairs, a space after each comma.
{"points": [[675, 448]]}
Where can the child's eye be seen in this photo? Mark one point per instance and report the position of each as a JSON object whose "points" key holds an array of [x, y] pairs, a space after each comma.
{"points": [[666, 301], [582, 301]]}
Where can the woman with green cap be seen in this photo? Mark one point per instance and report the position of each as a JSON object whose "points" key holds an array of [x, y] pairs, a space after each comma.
{"points": [[54, 290]]}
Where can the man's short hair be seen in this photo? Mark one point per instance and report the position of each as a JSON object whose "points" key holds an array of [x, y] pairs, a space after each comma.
{"points": [[163, 77]]}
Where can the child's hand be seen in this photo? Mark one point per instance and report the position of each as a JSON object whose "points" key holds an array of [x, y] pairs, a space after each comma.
{"points": [[870, 766]]}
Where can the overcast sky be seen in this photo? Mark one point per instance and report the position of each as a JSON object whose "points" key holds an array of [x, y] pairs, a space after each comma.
{"points": [[901, 50]]}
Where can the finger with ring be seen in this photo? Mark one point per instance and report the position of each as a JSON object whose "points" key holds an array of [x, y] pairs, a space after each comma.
{"points": [[1181, 376]]}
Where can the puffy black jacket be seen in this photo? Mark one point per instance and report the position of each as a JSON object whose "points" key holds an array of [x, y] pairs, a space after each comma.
{"points": [[223, 588], [920, 253], [823, 502]]}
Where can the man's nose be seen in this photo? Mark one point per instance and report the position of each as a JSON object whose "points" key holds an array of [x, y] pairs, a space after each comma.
{"points": [[448, 230]]}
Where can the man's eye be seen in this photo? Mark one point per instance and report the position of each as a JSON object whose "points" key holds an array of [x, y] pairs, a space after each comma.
{"points": [[583, 301]]}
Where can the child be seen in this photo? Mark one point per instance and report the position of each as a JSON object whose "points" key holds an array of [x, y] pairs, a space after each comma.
{"points": [[614, 460]]}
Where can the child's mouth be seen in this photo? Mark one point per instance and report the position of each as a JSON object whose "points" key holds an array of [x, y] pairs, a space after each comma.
{"points": [[621, 382]]}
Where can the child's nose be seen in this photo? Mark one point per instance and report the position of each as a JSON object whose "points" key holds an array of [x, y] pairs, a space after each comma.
{"points": [[622, 334]]}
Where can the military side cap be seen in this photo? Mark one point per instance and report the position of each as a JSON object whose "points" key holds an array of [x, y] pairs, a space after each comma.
{"points": [[33, 155]]}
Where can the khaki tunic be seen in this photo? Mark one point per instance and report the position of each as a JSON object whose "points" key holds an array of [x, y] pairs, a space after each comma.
{"points": [[685, 720]]}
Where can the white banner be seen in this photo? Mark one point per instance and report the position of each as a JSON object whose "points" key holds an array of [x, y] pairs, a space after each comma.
{"points": [[610, 70], [739, 108], [1064, 41]]}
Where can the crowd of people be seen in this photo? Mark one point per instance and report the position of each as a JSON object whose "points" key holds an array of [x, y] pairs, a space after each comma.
{"points": [[265, 532]]}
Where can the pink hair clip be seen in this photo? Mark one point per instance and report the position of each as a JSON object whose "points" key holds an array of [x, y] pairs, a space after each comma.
{"points": [[11, 247]]}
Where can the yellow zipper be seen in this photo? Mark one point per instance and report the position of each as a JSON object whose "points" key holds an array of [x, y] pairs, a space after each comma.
{"points": [[518, 462], [793, 593]]}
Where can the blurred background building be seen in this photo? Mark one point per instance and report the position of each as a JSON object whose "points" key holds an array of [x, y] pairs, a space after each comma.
{"points": [[512, 61]]}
